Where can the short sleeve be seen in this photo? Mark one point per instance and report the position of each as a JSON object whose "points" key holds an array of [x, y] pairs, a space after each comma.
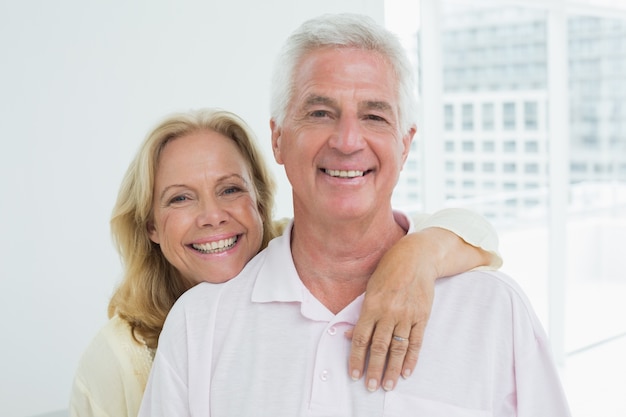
{"points": [[469, 226]]}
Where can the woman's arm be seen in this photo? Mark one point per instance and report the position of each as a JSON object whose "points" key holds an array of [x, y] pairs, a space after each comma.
{"points": [[400, 292], [111, 375]]}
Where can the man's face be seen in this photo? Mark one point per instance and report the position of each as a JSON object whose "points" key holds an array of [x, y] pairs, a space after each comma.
{"points": [[340, 142]]}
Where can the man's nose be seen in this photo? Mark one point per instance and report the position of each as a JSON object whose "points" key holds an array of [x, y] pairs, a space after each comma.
{"points": [[348, 137]]}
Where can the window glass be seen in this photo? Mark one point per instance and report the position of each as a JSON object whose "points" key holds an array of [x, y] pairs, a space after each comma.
{"points": [[508, 116], [468, 166], [468, 117], [531, 168], [489, 146], [509, 146], [531, 146], [468, 146], [509, 167], [531, 114], [495, 61], [488, 118], [448, 117]]}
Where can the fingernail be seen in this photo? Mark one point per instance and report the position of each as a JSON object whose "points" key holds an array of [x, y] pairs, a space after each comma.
{"points": [[372, 384], [356, 375], [388, 385], [406, 373]]}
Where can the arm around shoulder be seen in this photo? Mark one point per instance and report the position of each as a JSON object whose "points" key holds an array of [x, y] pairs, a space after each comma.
{"points": [[472, 228], [400, 292]]}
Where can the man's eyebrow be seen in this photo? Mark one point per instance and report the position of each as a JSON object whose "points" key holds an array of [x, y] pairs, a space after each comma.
{"points": [[376, 105], [313, 100]]}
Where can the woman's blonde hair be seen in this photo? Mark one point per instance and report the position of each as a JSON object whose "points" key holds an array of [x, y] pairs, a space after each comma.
{"points": [[150, 284]]}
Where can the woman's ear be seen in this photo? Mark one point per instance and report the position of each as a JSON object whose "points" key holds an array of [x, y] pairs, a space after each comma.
{"points": [[153, 233]]}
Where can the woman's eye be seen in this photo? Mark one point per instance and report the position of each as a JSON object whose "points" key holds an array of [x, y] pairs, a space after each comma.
{"points": [[178, 199], [231, 190]]}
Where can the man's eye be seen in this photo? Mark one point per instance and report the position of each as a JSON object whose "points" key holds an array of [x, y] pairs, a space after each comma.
{"points": [[319, 113], [375, 118]]}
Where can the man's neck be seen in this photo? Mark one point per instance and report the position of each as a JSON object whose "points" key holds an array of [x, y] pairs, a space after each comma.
{"points": [[335, 260]]}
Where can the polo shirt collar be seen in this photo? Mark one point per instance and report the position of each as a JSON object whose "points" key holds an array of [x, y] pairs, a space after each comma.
{"points": [[278, 281]]}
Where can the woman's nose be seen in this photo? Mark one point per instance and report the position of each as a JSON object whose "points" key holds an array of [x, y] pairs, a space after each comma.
{"points": [[211, 213]]}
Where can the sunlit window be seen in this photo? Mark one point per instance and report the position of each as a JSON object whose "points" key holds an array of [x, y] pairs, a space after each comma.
{"points": [[468, 146], [489, 146], [530, 115], [508, 116], [521, 140], [531, 146], [488, 119], [449, 117], [509, 146], [468, 116]]}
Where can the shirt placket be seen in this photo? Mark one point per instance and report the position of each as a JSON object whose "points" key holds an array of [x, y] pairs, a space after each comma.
{"points": [[329, 396]]}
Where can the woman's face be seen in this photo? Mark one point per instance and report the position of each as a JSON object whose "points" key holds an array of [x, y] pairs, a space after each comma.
{"points": [[205, 215]]}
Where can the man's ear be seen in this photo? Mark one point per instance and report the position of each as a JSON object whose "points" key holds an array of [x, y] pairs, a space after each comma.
{"points": [[407, 139], [152, 232], [277, 132]]}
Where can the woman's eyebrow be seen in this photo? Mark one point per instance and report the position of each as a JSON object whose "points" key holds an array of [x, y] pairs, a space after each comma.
{"points": [[222, 178], [169, 187], [229, 176]]}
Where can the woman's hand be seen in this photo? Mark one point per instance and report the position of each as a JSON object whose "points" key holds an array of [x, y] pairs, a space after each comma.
{"points": [[398, 302]]}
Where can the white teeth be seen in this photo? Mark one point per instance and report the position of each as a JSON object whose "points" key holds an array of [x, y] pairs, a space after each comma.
{"points": [[216, 247], [343, 174]]}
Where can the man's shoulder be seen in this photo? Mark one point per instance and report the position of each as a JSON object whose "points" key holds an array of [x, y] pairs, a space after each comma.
{"points": [[495, 275], [206, 293], [483, 282], [485, 286]]}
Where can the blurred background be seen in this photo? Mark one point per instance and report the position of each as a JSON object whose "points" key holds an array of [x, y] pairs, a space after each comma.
{"points": [[522, 119]]}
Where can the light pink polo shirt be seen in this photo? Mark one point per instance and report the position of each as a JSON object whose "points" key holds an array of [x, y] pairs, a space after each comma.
{"points": [[262, 345]]}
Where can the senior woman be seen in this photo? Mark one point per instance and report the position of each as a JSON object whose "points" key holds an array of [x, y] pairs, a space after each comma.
{"points": [[196, 205]]}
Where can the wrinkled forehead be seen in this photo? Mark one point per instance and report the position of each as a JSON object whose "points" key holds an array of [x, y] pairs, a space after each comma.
{"points": [[325, 76]]}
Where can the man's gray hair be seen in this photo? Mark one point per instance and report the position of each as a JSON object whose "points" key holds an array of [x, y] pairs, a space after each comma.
{"points": [[342, 31]]}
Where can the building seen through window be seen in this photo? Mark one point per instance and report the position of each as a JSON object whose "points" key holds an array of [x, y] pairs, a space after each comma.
{"points": [[495, 106], [532, 114]]}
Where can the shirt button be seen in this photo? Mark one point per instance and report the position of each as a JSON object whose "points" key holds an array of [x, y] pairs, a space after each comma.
{"points": [[332, 331], [324, 375]]}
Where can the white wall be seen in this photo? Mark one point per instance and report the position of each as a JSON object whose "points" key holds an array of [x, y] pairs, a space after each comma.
{"points": [[81, 83]]}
